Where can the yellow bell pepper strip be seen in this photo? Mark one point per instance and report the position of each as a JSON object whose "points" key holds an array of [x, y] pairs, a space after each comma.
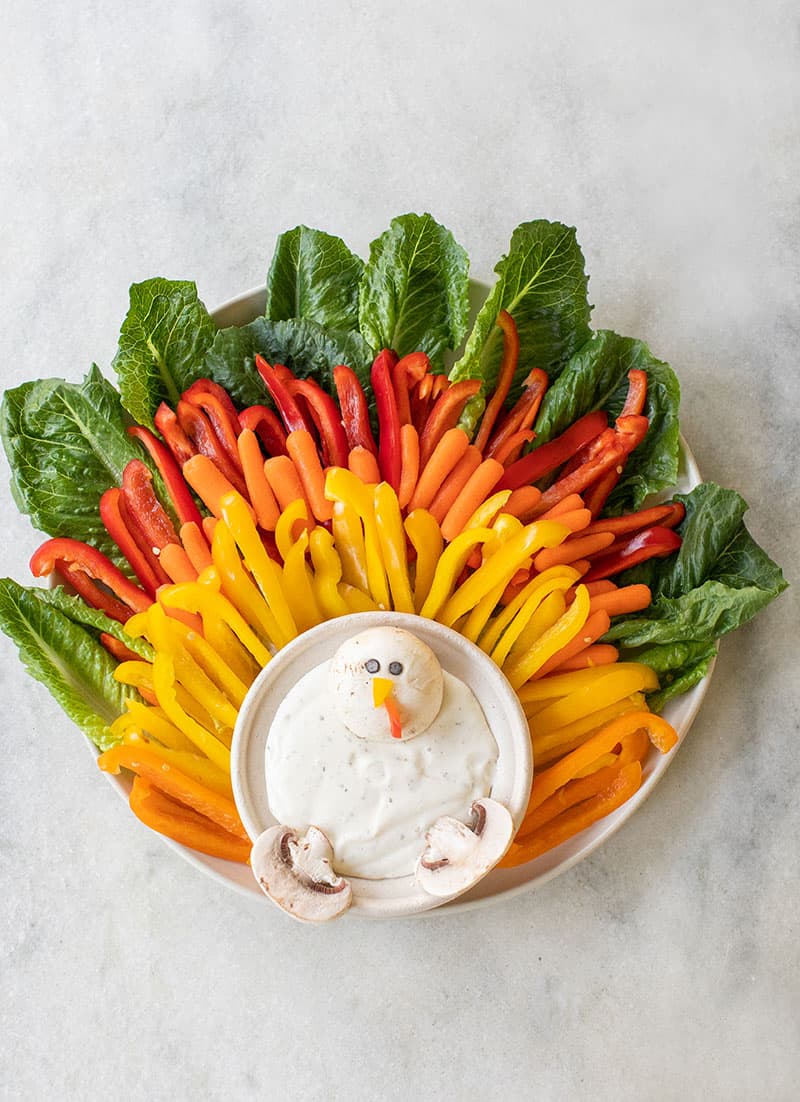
{"points": [[327, 574], [486, 513], [558, 577], [206, 600], [452, 562], [238, 586], [213, 665], [562, 684], [501, 565], [292, 521], [564, 826], [191, 764], [610, 685], [183, 825], [426, 539], [342, 485], [203, 739], [152, 721], [141, 760], [541, 610], [356, 599], [548, 748], [348, 535], [478, 618], [298, 587], [266, 572], [520, 670], [393, 546], [662, 735]]}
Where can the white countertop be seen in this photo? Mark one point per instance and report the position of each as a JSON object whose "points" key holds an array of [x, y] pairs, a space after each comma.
{"points": [[180, 139]]}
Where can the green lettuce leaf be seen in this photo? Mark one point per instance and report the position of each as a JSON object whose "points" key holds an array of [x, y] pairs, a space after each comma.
{"points": [[314, 275], [679, 665], [66, 444], [303, 346], [79, 612], [66, 658], [543, 285], [413, 293], [162, 342], [596, 377]]}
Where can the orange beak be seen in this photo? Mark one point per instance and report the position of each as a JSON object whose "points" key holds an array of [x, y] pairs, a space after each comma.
{"points": [[382, 695]]}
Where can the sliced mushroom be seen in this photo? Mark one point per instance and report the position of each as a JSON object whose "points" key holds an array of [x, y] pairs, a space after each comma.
{"points": [[458, 855], [296, 873]]}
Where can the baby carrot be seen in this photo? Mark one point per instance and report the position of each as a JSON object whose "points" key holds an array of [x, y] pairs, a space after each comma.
{"points": [[303, 451], [455, 482], [509, 450], [409, 464], [446, 454], [596, 654], [630, 598], [195, 545], [522, 500], [364, 465], [566, 505], [208, 482], [177, 564], [580, 547], [284, 481], [258, 489], [209, 524]]}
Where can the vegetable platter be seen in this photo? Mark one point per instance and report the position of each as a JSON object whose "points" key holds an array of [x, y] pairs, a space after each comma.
{"points": [[348, 440]]}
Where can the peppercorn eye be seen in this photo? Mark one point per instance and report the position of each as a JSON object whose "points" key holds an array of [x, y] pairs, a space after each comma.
{"points": [[396, 668], [372, 665]]}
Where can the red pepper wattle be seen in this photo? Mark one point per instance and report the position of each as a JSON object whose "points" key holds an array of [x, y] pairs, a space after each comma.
{"points": [[73, 558], [354, 409]]}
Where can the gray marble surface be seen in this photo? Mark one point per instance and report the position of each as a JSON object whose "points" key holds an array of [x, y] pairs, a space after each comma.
{"points": [[179, 139]]}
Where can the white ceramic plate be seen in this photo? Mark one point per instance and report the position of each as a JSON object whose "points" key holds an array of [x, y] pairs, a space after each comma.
{"points": [[501, 883]]}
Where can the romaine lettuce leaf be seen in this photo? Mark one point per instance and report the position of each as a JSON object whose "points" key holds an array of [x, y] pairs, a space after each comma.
{"points": [[66, 658], [596, 378], [66, 444], [303, 346], [162, 342], [413, 293], [314, 275], [542, 284], [75, 609]]}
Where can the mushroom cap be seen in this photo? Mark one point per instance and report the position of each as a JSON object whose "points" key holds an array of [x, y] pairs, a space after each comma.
{"points": [[403, 658], [296, 873], [458, 855]]}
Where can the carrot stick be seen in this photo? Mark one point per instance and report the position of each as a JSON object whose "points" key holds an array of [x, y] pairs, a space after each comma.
{"points": [[522, 500], [303, 451], [645, 518], [445, 455], [596, 654], [580, 547], [258, 489], [208, 482], [177, 564], [409, 464], [566, 505], [630, 598], [364, 465], [284, 481], [455, 482], [597, 624], [209, 524], [195, 546]]}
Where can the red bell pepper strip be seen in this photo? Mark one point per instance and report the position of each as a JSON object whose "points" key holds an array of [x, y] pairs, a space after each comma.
{"points": [[266, 424], [179, 493], [355, 410], [407, 373], [73, 558], [119, 527], [117, 649], [325, 415], [176, 439], [554, 454], [637, 392], [596, 495], [446, 411], [216, 404], [665, 516], [275, 381], [420, 401], [648, 544], [508, 367], [522, 415], [202, 388], [612, 457], [198, 428], [389, 450], [142, 503], [510, 448]]}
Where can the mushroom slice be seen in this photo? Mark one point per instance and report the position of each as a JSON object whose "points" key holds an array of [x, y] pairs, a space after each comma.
{"points": [[296, 873], [456, 855]]}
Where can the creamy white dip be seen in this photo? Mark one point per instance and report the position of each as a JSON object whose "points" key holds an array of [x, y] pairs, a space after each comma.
{"points": [[375, 799]]}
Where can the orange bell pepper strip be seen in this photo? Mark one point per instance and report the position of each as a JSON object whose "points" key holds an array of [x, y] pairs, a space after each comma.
{"points": [[505, 378], [157, 811]]}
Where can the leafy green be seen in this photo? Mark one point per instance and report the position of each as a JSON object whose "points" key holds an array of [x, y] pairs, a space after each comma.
{"points": [[314, 275], [680, 666], [66, 658], [596, 377], [80, 613], [542, 284], [303, 346], [719, 579], [162, 342], [66, 444], [413, 293]]}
